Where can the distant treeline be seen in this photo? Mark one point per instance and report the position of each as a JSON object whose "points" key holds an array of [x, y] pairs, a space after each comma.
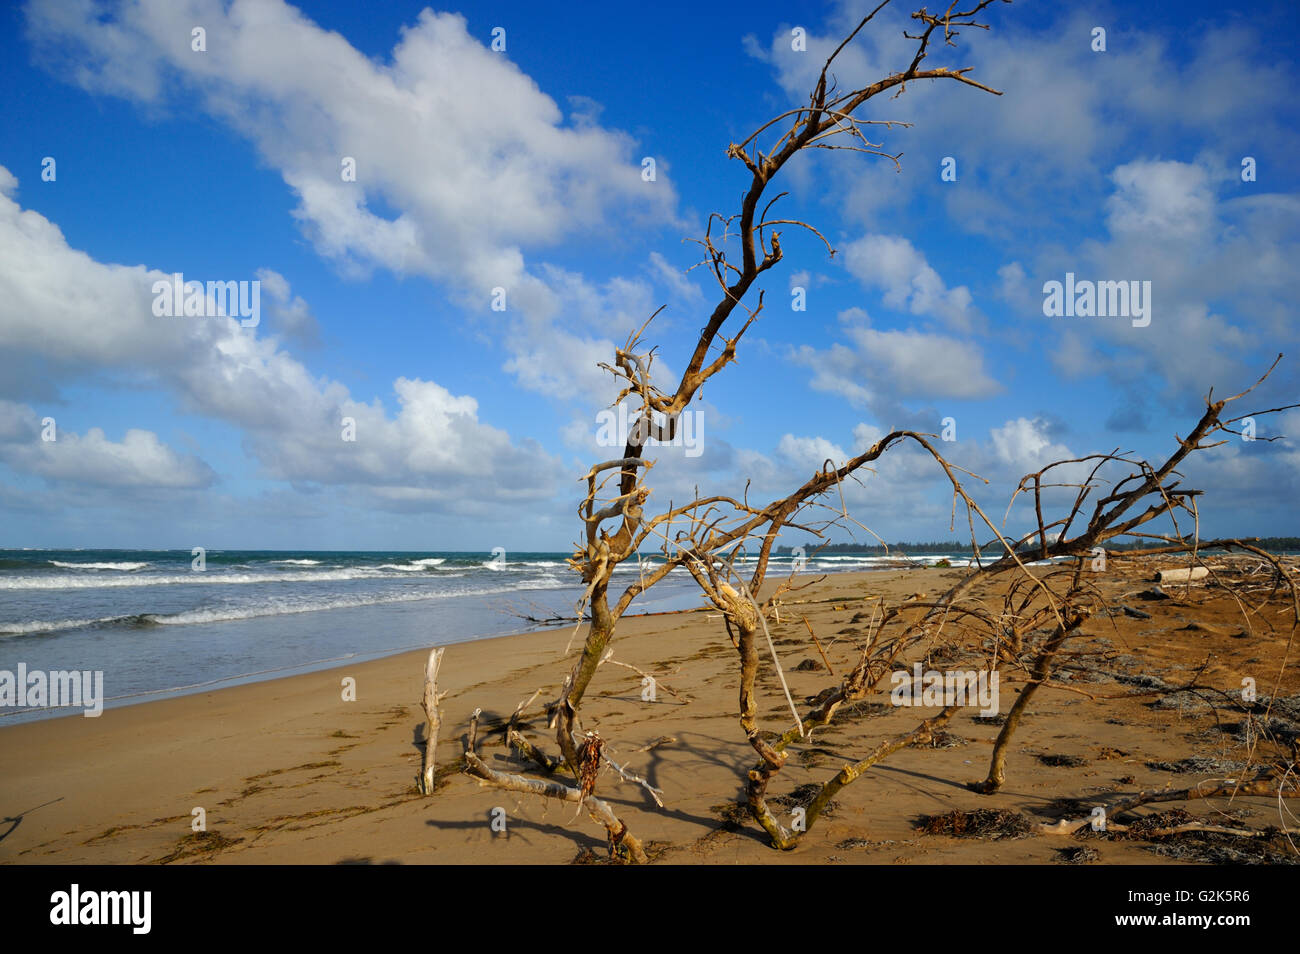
{"points": [[1264, 543], [953, 546]]}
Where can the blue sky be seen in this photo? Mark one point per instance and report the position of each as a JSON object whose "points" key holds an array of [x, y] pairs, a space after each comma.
{"points": [[522, 169]]}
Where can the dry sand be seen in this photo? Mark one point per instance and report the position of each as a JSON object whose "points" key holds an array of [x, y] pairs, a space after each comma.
{"points": [[288, 772]]}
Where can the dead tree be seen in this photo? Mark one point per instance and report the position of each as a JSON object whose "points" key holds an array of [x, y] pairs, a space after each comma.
{"points": [[704, 535], [830, 121], [1061, 597], [615, 524]]}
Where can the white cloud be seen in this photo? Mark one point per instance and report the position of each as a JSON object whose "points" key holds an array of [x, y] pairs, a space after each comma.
{"points": [[452, 133], [475, 160], [1169, 199], [923, 365], [139, 460], [1066, 113], [435, 447], [880, 366], [810, 451], [1025, 445], [289, 313], [1218, 272], [1014, 288], [865, 436], [676, 279], [892, 264]]}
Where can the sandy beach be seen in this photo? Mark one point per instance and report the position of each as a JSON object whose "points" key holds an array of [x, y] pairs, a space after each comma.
{"points": [[287, 771]]}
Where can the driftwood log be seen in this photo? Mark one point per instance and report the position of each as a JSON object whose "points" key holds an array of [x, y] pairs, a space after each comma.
{"points": [[432, 721]]}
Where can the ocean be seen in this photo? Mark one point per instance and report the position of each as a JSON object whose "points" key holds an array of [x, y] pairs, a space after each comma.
{"points": [[156, 624]]}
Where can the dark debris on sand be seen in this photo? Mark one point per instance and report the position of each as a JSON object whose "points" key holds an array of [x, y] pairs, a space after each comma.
{"points": [[1057, 760], [1200, 764], [802, 797], [815, 756], [992, 823], [734, 815], [1212, 847], [1077, 855], [859, 710], [1193, 846], [1144, 826]]}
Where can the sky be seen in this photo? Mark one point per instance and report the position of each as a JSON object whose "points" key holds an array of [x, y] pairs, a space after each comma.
{"points": [[454, 215]]}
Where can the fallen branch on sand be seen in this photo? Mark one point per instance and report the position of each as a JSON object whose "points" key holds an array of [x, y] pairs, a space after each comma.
{"points": [[619, 838]]}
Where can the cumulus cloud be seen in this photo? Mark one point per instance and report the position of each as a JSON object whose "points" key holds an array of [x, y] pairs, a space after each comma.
{"points": [[139, 460], [879, 367], [810, 451], [1026, 445], [1216, 250], [1169, 198], [892, 264], [1218, 270], [435, 448], [1066, 113], [461, 162], [289, 314], [453, 134]]}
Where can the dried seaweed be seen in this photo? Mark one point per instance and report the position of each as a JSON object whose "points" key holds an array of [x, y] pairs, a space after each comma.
{"points": [[993, 823]]}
